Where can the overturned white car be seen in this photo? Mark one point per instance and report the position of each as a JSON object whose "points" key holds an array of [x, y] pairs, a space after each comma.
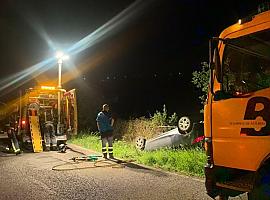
{"points": [[187, 133]]}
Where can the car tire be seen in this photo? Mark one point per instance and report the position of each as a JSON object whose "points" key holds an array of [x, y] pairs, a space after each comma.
{"points": [[140, 143], [184, 125]]}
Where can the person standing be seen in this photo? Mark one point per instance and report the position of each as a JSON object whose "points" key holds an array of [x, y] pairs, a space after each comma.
{"points": [[49, 131], [105, 127]]}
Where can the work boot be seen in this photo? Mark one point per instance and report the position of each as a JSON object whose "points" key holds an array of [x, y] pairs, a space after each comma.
{"points": [[105, 155], [47, 148], [111, 156]]}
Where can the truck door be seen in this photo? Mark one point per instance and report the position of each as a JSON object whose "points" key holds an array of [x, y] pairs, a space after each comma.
{"points": [[240, 110]]}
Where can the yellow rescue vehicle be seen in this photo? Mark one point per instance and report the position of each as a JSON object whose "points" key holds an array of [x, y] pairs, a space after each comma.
{"points": [[237, 110], [45, 117]]}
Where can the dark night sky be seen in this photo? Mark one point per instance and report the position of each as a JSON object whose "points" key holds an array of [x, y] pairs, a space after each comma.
{"points": [[145, 63]]}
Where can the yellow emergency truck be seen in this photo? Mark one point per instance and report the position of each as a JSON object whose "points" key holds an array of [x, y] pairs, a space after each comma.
{"points": [[44, 117], [237, 110]]}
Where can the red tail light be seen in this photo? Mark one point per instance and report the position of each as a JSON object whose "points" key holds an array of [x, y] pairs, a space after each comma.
{"points": [[198, 139]]}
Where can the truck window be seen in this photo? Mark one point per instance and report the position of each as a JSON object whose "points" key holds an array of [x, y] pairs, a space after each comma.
{"points": [[247, 71]]}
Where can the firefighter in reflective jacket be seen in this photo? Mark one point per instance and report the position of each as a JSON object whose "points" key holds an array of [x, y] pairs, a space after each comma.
{"points": [[49, 131], [13, 139]]}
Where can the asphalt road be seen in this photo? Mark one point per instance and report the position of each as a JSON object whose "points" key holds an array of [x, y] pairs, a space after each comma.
{"points": [[30, 176]]}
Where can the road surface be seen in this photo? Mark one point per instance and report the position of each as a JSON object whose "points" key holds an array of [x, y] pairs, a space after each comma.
{"points": [[30, 176]]}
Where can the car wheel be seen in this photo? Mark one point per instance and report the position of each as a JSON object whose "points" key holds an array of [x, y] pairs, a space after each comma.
{"points": [[140, 143], [184, 125]]}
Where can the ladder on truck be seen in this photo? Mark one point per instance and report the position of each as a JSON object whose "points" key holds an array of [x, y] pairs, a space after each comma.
{"points": [[35, 130]]}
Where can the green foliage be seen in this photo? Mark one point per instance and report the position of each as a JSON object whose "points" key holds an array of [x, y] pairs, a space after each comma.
{"points": [[201, 80], [188, 161], [129, 130], [163, 119], [160, 118], [173, 119]]}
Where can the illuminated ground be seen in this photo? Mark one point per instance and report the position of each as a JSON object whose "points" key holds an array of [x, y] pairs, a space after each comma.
{"points": [[30, 176]]}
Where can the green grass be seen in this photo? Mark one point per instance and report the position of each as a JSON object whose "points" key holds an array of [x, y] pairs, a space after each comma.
{"points": [[188, 161]]}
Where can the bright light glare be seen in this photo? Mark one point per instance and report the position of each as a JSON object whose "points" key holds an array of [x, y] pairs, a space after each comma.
{"points": [[65, 57], [239, 21], [111, 27], [59, 54]]}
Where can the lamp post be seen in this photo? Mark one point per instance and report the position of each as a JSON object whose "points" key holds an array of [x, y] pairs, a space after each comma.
{"points": [[60, 58]]}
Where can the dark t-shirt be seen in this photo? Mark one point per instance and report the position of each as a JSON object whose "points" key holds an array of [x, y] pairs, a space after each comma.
{"points": [[104, 120]]}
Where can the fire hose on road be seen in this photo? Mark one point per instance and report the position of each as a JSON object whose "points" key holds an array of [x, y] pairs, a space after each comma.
{"points": [[88, 162]]}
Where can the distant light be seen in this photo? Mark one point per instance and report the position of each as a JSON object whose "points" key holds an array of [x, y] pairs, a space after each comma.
{"points": [[23, 122], [240, 21], [245, 20], [47, 88]]}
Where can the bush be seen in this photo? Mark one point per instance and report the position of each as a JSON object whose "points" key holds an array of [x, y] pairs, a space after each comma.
{"points": [[162, 118], [129, 130], [200, 79]]}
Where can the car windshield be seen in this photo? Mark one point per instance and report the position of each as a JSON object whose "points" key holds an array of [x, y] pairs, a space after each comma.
{"points": [[246, 63]]}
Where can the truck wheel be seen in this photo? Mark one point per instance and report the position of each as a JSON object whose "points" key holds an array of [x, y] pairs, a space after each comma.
{"points": [[184, 125], [140, 143], [261, 190]]}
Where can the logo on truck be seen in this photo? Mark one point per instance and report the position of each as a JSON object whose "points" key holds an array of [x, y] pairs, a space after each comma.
{"points": [[257, 115]]}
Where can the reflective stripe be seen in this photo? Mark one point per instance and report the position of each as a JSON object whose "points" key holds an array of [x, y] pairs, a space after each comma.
{"points": [[17, 150], [104, 149], [110, 149]]}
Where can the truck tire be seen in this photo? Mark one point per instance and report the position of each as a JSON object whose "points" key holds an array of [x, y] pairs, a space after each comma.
{"points": [[261, 190], [184, 125]]}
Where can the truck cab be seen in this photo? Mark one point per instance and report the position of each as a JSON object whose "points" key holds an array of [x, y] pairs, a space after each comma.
{"points": [[237, 110]]}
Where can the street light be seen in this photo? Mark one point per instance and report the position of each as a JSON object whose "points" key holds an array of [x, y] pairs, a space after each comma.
{"points": [[60, 58]]}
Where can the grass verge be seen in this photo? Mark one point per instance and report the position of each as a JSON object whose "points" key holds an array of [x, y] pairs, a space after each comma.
{"points": [[187, 161]]}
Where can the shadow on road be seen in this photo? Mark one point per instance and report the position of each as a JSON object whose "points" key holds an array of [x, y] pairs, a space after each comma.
{"points": [[137, 167], [6, 154]]}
